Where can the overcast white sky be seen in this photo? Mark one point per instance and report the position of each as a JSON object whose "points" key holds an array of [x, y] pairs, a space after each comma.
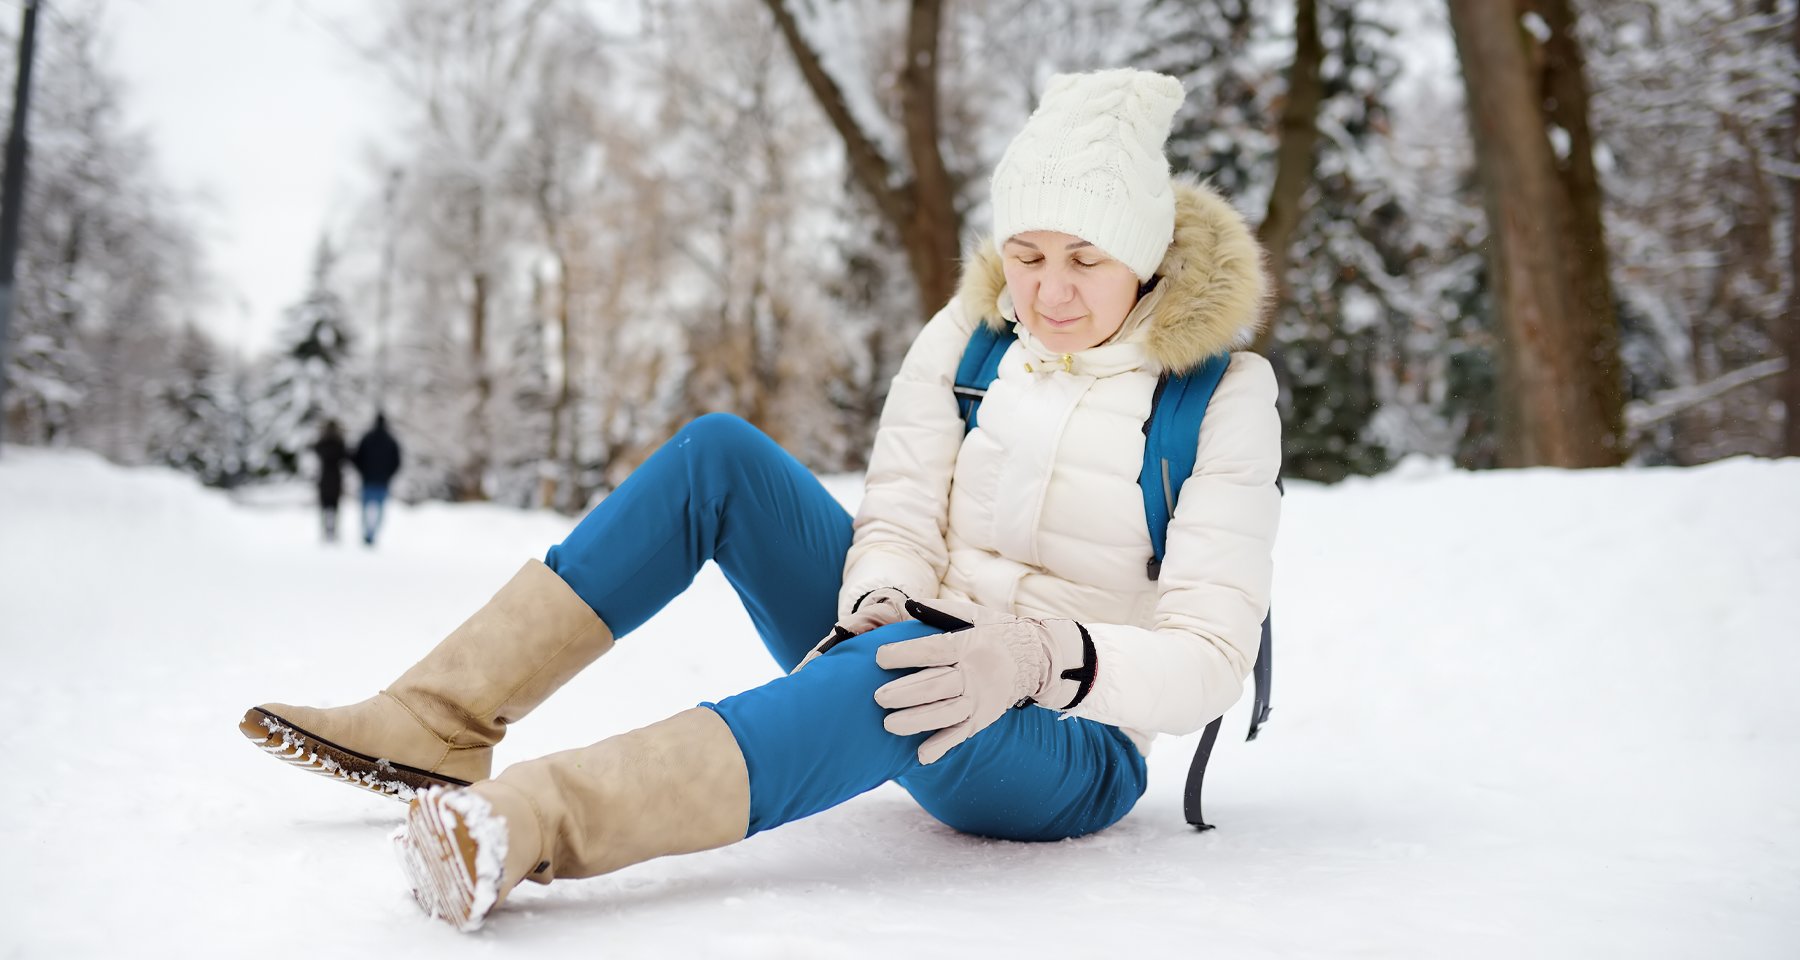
{"points": [[257, 108]]}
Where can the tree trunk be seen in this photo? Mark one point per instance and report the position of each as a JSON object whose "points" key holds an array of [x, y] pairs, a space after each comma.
{"points": [[1790, 383], [1595, 323], [922, 210], [560, 465], [1547, 413], [935, 223], [1293, 159], [475, 469]]}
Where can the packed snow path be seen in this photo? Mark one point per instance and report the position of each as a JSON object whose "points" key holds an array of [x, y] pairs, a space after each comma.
{"points": [[1516, 714]]}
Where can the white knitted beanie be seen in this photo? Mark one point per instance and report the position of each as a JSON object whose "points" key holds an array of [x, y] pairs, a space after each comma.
{"points": [[1090, 163]]}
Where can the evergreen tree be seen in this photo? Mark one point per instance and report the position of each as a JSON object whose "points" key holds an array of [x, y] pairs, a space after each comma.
{"points": [[308, 380], [47, 373], [1347, 332], [196, 409]]}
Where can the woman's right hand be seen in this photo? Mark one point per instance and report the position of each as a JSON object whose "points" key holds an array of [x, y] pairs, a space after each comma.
{"points": [[877, 608]]}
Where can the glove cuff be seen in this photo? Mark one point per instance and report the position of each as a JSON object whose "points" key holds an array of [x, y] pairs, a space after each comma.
{"points": [[1074, 664]]}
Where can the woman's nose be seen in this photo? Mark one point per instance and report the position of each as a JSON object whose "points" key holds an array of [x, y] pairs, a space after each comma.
{"points": [[1055, 288]]}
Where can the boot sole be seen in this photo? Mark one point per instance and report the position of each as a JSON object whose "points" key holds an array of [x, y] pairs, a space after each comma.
{"points": [[438, 854], [285, 741]]}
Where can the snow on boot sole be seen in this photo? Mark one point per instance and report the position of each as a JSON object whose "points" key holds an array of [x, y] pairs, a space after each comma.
{"points": [[285, 741], [451, 849]]}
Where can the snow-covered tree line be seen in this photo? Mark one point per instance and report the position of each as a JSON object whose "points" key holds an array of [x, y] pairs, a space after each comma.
{"points": [[98, 355], [771, 278], [609, 216], [104, 351]]}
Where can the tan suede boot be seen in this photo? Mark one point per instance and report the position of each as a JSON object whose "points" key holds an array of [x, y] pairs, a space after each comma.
{"points": [[438, 723], [676, 786]]}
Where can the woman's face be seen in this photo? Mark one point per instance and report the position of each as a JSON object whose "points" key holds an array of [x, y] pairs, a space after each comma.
{"points": [[1069, 294]]}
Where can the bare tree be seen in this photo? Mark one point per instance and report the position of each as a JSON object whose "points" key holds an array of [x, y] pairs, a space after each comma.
{"points": [[1551, 411], [1790, 384], [564, 151], [1293, 156], [464, 64], [917, 198], [1563, 88]]}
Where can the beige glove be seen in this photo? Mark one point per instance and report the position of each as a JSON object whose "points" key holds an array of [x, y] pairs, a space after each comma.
{"points": [[877, 608], [988, 662]]}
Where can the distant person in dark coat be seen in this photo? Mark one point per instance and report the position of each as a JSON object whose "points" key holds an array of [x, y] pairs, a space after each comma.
{"points": [[332, 454], [377, 459]]}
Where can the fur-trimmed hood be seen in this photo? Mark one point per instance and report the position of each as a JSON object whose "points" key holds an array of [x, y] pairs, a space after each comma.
{"points": [[1209, 290]]}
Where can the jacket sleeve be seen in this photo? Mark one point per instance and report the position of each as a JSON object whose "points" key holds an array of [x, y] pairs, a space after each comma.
{"points": [[899, 538], [1189, 667]]}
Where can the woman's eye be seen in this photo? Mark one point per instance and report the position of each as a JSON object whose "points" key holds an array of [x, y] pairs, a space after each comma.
{"points": [[1031, 262], [1084, 263]]}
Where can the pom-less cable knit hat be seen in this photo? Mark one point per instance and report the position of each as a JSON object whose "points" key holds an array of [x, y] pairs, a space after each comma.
{"points": [[1090, 163]]}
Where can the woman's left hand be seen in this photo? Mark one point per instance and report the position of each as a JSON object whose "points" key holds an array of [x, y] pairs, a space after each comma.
{"points": [[987, 662], [877, 608]]}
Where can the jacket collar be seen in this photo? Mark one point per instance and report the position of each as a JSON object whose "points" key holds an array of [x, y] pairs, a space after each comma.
{"points": [[1208, 295]]}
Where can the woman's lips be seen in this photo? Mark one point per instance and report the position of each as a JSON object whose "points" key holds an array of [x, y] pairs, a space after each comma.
{"points": [[1058, 323]]}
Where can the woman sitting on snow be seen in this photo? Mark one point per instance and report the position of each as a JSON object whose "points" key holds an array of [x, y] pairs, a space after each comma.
{"points": [[984, 571]]}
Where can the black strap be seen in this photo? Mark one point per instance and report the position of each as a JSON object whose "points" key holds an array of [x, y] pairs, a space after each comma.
{"points": [[1259, 714], [1196, 779], [1265, 654]]}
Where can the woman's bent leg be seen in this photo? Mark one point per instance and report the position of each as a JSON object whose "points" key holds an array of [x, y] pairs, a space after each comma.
{"points": [[718, 490], [814, 739]]}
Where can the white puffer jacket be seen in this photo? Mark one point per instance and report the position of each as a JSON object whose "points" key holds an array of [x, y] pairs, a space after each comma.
{"points": [[1038, 510]]}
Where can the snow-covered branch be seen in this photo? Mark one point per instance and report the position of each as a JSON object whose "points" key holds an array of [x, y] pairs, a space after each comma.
{"points": [[1640, 414]]}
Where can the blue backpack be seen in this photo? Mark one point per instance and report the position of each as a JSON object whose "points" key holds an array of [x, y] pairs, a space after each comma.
{"points": [[1171, 443]]}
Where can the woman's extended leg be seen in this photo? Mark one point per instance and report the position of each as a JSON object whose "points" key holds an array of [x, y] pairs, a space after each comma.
{"points": [[790, 748]]}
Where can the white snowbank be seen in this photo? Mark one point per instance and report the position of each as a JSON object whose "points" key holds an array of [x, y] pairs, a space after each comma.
{"points": [[1527, 713]]}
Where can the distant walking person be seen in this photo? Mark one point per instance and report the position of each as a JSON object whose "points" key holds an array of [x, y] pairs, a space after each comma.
{"points": [[331, 453], [377, 459]]}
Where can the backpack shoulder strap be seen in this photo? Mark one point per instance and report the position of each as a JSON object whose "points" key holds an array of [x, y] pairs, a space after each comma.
{"points": [[1171, 444], [980, 365]]}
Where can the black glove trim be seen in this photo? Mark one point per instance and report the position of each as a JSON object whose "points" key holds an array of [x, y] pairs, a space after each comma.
{"points": [[1087, 672], [933, 617], [859, 600], [838, 635]]}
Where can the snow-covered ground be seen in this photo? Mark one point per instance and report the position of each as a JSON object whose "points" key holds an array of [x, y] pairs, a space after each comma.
{"points": [[1517, 714]]}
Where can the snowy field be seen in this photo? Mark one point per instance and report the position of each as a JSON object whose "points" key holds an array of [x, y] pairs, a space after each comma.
{"points": [[1533, 714]]}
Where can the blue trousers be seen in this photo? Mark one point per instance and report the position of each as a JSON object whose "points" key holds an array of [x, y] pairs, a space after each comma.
{"points": [[374, 501], [720, 490]]}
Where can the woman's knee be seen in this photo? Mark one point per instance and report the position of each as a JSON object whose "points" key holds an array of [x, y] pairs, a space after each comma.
{"points": [[1033, 777], [723, 448], [718, 432]]}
